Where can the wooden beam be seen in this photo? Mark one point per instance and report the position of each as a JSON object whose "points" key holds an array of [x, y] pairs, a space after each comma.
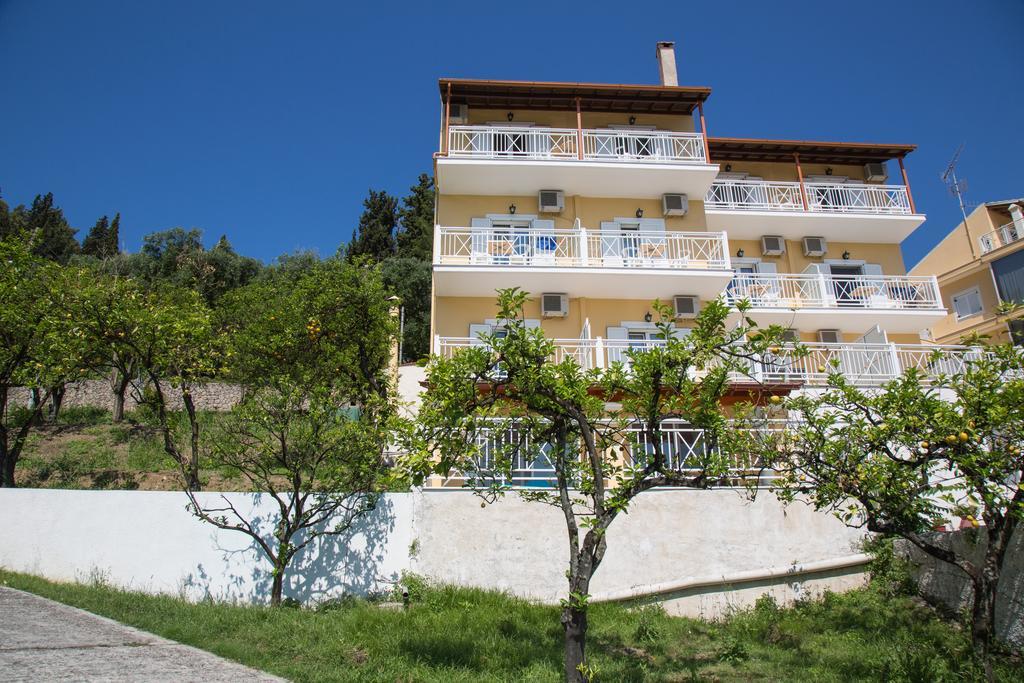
{"points": [[579, 130], [447, 118], [906, 181], [704, 132], [800, 177]]}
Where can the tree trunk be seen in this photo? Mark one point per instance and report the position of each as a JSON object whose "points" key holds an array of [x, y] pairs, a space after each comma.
{"points": [[120, 385], [57, 400], [277, 587], [35, 402], [983, 615], [574, 618], [193, 422], [575, 622], [6, 469]]}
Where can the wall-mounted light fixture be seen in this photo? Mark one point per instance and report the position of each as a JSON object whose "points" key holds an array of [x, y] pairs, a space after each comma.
{"points": [[728, 168], [846, 256], [648, 317], [511, 116], [639, 213], [632, 120], [739, 253], [828, 171], [512, 209]]}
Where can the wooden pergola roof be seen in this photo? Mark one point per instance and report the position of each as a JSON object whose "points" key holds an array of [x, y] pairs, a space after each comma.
{"points": [[603, 97], [815, 152]]}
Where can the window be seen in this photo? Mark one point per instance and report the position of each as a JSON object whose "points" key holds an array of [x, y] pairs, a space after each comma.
{"points": [[1017, 331], [967, 303], [1009, 276]]}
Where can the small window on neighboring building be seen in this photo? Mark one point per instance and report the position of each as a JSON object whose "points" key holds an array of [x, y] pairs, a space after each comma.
{"points": [[967, 303], [1017, 331]]}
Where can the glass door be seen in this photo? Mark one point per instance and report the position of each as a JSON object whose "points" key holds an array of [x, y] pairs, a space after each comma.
{"points": [[846, 291]]}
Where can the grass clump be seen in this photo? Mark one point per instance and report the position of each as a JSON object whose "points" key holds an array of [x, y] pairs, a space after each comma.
{"points": [[460, 634]]}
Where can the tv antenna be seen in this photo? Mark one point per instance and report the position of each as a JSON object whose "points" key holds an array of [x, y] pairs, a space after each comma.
{"points": [[957, 187]]}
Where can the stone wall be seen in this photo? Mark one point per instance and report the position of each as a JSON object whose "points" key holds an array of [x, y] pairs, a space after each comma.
{"points": [[97, 393], [942, 583]]}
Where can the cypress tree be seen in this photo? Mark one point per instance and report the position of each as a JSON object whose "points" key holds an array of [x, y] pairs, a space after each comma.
{"points": [[95, 243], [416, 234], [375, 236]]}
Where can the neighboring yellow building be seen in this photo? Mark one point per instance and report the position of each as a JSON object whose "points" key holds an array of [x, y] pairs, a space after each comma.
{"points": [[980, 264], [599, 198]]}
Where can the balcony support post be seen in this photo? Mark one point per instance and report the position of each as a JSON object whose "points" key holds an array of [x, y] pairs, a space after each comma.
{"points": [[704, 133], [579, 130], [447, 118], [584, 250], [800, 177], [599, 353], [906, 183], [895, 356]]}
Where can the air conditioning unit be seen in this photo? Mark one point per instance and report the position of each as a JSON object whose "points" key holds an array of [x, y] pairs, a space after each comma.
{"points": [[674, 204], [458, 113], [875, 172], [791, 336], [551, 201], [830, 336], [815, 246], [686, 306], [772, 245], [554, 305]]}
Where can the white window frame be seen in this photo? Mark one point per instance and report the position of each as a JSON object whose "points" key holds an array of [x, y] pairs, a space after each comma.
{"points": [[967, 292]]}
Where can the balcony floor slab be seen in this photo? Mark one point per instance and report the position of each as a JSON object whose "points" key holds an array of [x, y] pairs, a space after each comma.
{"points": [[794, 225], [597, 283], [628, 179], [850, 320]]}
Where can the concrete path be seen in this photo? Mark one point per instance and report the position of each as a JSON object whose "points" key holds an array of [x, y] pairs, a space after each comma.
{"points": [[42, 640]]}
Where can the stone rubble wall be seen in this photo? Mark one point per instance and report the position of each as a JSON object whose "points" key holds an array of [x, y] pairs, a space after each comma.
{"points": [[97, 393], [942, 583]]}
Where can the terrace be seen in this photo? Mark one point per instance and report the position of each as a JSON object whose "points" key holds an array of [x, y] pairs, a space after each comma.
{"points": [[581, 261]]}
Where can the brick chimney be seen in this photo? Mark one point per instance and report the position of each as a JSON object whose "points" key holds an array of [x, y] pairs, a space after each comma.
{"points": [[667, 63]]}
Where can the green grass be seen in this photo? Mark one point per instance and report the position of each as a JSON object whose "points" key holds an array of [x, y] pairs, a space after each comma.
{"points": [[451, 634], [85, 449]]}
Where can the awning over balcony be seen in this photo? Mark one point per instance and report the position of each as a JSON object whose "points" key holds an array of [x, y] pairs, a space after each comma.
{"points": [[604, 97], [759, 149]]}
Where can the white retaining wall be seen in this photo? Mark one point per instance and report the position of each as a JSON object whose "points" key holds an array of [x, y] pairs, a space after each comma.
{"points": [[692, 545]]}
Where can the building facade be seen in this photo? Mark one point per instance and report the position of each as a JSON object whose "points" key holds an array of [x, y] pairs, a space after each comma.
{"points": [[598, 199], [980, 268]]}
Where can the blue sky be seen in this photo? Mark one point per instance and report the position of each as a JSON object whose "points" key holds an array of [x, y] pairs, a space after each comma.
{"points": [[268, 121]]}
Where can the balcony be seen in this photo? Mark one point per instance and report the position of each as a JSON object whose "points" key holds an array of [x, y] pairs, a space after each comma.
{"points": [[507, 455], [580, 262], [1000, 237], [590, 162], [861, 364], [897, 303], [852, 212]]}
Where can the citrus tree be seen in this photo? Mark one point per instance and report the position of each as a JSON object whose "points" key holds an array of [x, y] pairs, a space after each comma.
{"points": [[903, 459], [39, 347], [312, 431], [587, 441]]}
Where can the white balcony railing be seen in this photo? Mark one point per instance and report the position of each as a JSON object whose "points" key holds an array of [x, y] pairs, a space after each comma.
{"points": [[508, 455], [1000, 237], [560, 144], [581, 248], [861, 364], [808, 290], [763, 195]]}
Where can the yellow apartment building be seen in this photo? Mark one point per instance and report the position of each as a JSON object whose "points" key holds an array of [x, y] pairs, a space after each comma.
{"points": [[980, 265], [599, 198]]}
